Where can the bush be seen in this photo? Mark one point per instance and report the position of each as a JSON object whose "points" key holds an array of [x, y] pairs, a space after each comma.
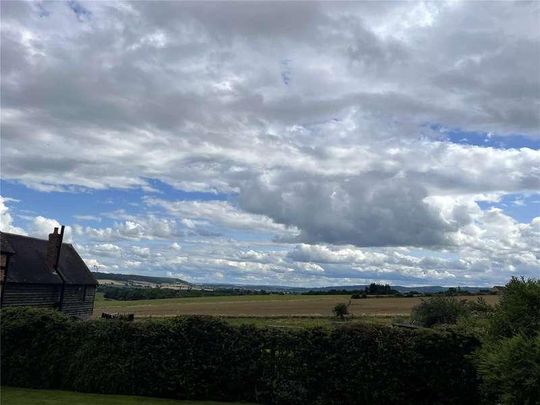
{"points": [[510, 370], [480, 307], [439, 310], [340, 310], [509, 361], [518, 310], [204, 358]]}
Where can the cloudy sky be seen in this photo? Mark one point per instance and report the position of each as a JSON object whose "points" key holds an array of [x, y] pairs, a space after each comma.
{"points": [[277, 143]]}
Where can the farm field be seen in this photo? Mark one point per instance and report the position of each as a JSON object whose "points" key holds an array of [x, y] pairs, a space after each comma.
{"points": [[24, 396], [267, 306]]}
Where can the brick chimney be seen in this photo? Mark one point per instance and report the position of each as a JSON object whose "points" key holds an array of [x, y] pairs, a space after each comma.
{"points": [[53, 249]]}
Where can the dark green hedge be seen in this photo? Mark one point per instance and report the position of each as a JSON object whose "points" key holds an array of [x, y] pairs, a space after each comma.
{"points": [[204, 358]]}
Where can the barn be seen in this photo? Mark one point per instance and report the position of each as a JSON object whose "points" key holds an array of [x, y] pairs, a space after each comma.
{"points": [[46, 274]]}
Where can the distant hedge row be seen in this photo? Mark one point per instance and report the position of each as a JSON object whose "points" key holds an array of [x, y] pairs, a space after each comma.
{"points": [[204, 358]]}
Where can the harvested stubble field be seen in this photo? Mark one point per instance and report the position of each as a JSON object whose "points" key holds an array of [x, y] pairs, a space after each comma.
{"points": [[267, 306]]}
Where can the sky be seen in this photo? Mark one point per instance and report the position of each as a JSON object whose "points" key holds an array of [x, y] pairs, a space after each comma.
{"points": [[284, 143]]}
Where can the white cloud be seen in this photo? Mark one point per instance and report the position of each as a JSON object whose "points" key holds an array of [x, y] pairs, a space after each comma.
{"points": [[374, 78], [142, 252], [220, 213], [87, 218], [41, 227], [107, 250], [135, 228], [94, 265], [344, 153], [6, 220]]}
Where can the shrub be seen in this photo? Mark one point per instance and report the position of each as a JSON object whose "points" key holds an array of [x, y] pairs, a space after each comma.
{"points": [[518, 310], [509, 361], [204, 358], [340, 310], [439, 310], [510, 369], [480, 307]]}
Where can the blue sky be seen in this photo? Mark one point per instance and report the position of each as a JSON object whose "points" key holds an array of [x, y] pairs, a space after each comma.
{"points": [[486, 139], [68, 206], [299, 144]]}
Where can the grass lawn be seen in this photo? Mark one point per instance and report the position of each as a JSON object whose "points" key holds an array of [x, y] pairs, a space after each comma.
{"points": [[24, 396]]}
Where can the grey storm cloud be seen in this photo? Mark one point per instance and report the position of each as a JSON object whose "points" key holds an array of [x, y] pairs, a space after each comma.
{"points": [[366, 210]]}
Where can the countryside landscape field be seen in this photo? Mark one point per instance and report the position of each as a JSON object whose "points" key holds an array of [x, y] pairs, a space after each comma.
{"points": [[269, 202], [268, 306]]}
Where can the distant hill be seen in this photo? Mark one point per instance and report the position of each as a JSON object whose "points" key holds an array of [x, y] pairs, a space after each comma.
{"points": [[135, 280], [401, 289]]}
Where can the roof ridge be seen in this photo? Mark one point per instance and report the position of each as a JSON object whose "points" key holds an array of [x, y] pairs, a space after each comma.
{"points": [[22, 236], [29, 237]]}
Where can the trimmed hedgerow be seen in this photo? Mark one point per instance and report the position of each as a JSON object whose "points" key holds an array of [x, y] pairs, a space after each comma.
{"points": [[204, 358]]}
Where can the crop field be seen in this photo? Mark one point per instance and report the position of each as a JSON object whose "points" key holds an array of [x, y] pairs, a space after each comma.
{"points": [[267, 306]]}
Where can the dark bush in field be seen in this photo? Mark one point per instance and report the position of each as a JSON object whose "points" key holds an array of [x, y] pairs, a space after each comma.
{"points": [[204, 358], [447, 310], [439, 310], [341, 310]]}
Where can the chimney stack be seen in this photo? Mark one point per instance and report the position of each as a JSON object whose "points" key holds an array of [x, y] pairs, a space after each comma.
{"points": [[53, 249]]}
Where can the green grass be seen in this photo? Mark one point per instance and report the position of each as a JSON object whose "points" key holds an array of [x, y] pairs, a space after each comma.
{"points": [[25, 396]]}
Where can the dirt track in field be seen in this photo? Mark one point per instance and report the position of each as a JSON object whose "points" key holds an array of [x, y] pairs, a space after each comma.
{"points": [[265, 306]]}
